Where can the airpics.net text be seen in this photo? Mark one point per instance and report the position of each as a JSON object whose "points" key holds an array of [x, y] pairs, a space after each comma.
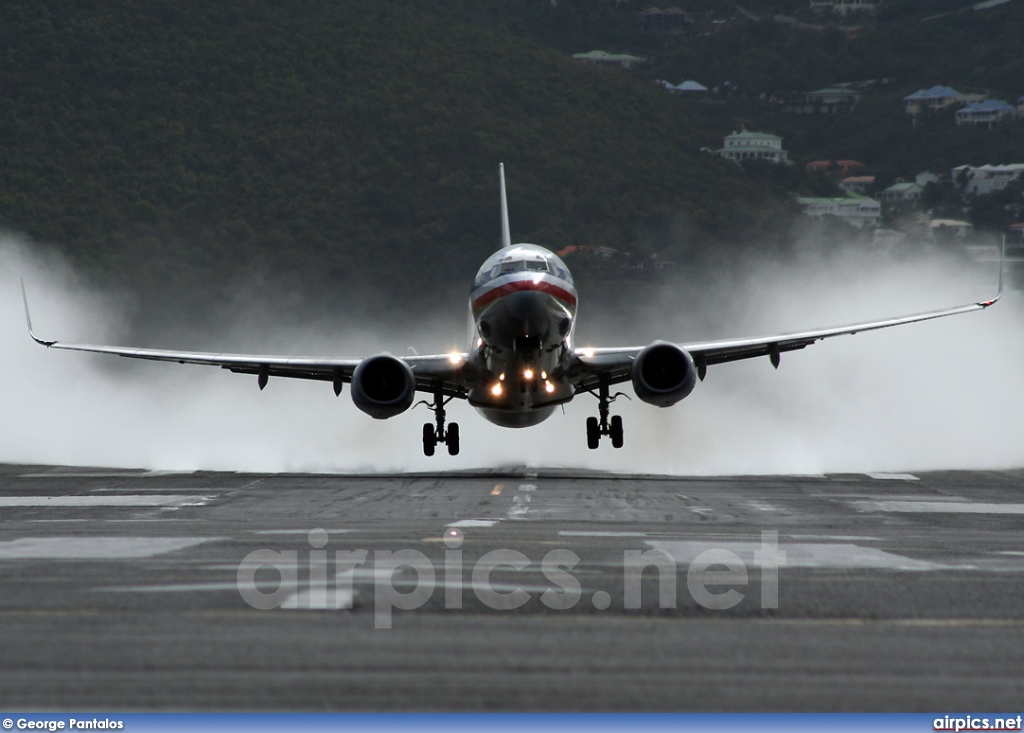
{"points": [[278, 585]]}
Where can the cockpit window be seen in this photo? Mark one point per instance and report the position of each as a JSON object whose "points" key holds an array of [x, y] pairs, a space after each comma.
{"points": [[509, 267]]}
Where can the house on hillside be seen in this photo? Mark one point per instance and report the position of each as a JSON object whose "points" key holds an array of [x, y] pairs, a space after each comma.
{"points": [[902, 193], [684, 87], [936, 98], [858, 184], [950, 229], [625, 60], [670, 21], [820, 101], [985, 179], [857, 211], [747, 145], [836, 168], [845, 7], [988, 112], [1015, 235]]}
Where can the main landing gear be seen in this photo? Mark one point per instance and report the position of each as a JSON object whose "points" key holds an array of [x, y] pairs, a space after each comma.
{"points": [[437, 432], [604, 426]]}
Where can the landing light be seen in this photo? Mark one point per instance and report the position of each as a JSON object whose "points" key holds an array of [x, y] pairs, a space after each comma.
{"points": [[496, 390], [527, 374], [455, 359], [587, 352], [548, 387]]}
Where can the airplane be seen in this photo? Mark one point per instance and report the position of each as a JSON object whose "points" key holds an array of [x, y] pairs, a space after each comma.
{"points": [[521, 362]]}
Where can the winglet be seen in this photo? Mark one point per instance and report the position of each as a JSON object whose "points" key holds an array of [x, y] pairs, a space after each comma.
{"points": [[1002, 268], [28, 319], [506, 234]]}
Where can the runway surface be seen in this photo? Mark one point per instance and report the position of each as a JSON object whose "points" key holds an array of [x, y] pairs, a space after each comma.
{"points": [[128, 590]]}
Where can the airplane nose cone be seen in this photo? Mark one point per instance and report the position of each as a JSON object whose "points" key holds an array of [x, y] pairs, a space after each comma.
{"points": [[515, 316], [529, 309]]}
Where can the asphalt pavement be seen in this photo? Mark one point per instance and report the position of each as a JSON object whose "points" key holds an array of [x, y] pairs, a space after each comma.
{"points": [[512, 590]]}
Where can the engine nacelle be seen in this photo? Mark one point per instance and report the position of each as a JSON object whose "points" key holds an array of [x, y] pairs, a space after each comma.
{"points": [[663, 374], [383, 386]]}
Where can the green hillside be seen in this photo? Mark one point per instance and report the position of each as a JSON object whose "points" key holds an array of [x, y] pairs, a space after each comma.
{"points": [[324, 147], [330, 144]]}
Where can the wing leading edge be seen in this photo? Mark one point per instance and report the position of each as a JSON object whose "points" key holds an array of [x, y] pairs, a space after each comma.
{"points": [[613, 365], [428, 370]]}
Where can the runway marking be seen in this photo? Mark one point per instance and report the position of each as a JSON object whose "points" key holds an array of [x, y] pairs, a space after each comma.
{"points": [[96, 548], [938, 507], [521, 501], [171, 500], [474, 523], [893, 476], [299, 531], [762, 506], [835, 538], [568, 533], [336, 595], [799, 555], [170, 588], [106, 474]]}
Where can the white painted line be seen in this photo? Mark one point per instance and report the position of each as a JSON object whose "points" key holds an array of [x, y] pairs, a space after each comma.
{"points": [[95, 548], [172, 588], [106, 474], [322, 597], [299, 531], [938, 507], [567, 533], [799, 555], [834, 537], [474, 523], [175, 500], [893, 476], [521, 501]]}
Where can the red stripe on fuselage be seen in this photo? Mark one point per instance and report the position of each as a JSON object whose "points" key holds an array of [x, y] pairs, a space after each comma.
{"points": [[517, 286]]}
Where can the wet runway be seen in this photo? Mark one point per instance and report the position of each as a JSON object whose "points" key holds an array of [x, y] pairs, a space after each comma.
{"points": [[517, 590]]}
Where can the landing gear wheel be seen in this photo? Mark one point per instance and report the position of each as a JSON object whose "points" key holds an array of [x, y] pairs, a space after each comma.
{"points": [[616, 431], [593, 433], [429, 441], [452, 439]]}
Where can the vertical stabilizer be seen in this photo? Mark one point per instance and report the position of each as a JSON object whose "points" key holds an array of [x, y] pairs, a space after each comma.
{"points": [[506, 234]]}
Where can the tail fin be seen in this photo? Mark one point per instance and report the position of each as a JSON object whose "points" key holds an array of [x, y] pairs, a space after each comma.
{"points": [[506, 234]]}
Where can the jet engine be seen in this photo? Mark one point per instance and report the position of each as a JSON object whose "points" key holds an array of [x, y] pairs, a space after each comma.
{"points": [[383, 386], [663, 374]]}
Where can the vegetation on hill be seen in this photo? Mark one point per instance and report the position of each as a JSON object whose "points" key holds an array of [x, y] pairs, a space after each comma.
{"points": [[331, 144], [171, 147]]}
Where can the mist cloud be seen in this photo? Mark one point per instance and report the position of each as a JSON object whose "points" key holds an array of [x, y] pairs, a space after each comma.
{"points": [[942, 394]]}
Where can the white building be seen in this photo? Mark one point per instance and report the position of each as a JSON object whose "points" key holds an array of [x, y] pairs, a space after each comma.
{"points": [[625, 60], [845, 7], [902, 192], [986, 179], [746, 145], [857, 211]]}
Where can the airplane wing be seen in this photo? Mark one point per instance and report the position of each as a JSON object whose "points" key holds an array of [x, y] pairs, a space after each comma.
{"points": [[428, 370], [614, 365]]}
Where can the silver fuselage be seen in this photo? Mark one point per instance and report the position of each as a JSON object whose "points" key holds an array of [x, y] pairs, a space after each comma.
{"points": [[522, 312]]}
